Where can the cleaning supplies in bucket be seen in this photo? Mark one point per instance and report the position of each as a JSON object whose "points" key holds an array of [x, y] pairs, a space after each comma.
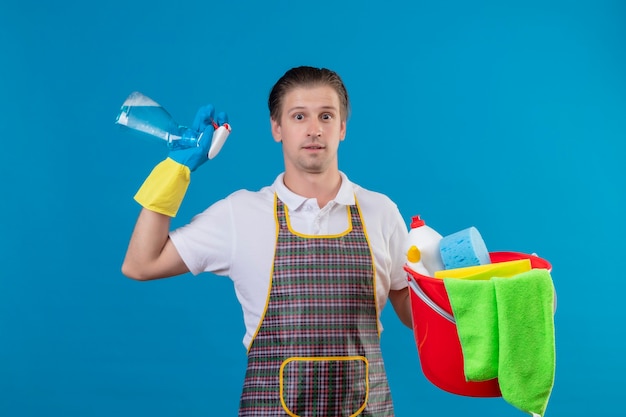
{"points": [[434, 326], [438, 323]]}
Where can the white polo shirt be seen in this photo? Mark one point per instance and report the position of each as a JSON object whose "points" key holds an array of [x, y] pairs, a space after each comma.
{"points": [[236, 237]]}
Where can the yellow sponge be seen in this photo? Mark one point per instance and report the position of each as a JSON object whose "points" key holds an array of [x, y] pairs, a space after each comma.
{"points": [[484, 272]]}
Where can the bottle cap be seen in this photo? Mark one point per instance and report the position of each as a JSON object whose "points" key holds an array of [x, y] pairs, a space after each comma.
{"points": [[417, 222]]}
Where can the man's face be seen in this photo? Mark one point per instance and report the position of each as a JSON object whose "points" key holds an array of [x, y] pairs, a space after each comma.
{"points": [[310, 129]]}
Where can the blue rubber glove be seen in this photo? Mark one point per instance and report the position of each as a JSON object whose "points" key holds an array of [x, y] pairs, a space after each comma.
{"points": [[204, 124]]}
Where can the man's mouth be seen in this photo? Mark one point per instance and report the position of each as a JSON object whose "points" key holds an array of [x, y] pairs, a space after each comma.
{"points": [[313, 147]]}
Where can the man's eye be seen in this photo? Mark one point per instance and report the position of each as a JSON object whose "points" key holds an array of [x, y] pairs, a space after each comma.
{"points": [[298, 116], [327, 116]]}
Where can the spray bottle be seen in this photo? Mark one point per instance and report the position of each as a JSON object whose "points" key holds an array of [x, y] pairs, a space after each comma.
{"points": [[141, 113]]}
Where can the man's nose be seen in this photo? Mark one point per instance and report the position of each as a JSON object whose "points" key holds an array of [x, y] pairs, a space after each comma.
{"points": [[315, 128]]}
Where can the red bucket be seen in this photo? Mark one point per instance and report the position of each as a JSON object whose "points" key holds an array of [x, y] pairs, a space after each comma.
{"points": [[434, 328]]}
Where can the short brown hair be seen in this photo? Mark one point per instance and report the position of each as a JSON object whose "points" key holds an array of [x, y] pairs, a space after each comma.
{"points": [[307, 77]]}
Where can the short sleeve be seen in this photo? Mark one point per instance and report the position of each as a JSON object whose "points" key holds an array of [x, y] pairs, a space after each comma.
{"points": [[397, 253], [206, 243]]}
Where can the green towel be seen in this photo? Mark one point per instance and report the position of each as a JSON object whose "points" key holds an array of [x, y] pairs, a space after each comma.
{"points": [[476, 326], [506, 330]]}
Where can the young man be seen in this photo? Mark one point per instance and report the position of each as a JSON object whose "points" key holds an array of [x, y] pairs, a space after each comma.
{"points": [[313, 258]]}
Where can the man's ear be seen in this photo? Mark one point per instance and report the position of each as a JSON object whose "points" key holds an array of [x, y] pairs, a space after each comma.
{"points": [[276, 131], [342, 130]]}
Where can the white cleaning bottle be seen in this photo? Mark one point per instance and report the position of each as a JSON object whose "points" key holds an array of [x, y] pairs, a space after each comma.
{"points": [[426, 241]]}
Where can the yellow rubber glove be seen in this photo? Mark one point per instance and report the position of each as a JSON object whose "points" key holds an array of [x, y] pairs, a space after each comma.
{"points": [[164, 189]]}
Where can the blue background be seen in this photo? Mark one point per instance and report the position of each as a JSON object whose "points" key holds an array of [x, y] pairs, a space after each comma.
{"points": [[507, 116]]}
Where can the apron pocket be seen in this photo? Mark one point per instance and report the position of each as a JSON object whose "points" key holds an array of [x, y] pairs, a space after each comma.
{"points": [[324, 386]]}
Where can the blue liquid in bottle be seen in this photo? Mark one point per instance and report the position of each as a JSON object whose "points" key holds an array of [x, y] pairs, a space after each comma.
{"points": [[143, 114]]}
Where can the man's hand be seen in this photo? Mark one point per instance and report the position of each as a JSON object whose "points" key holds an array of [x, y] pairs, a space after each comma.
{"points": [[204, 125], [164, 189]]}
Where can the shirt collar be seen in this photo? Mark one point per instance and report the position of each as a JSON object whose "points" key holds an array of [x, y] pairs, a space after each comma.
{"points": [[345, 195]]}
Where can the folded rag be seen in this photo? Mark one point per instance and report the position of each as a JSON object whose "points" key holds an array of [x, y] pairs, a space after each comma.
{"points": [[506, 330]]}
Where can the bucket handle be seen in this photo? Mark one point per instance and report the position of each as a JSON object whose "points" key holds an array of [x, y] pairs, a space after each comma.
{"points": [[430, 303]]}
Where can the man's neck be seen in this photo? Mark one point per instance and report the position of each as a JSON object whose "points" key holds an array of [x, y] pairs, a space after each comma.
{"points": [[323, 186]]}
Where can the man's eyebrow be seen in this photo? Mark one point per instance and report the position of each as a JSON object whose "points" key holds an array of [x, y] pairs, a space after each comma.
{"points": [[305, 107]]}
